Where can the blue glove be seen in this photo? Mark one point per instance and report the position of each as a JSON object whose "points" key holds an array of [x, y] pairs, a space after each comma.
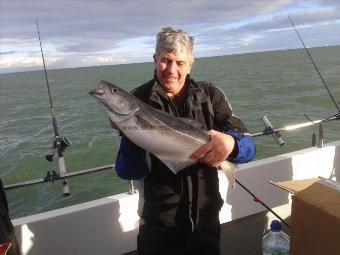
{"points": [[130, 162], [245, 146]]}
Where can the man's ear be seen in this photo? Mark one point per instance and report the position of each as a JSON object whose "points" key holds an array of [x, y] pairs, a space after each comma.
{"points": [[190, 67]]}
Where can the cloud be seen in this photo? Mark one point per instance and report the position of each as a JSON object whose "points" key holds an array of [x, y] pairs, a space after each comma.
{"points": [[91, 32], [25, 61], [81, 21], [8, 52]]}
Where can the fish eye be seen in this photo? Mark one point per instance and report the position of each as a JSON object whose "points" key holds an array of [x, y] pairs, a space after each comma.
{"points": [[114, 90]]}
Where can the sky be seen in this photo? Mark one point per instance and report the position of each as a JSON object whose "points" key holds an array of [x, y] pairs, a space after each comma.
{"points": [[78, 33]]}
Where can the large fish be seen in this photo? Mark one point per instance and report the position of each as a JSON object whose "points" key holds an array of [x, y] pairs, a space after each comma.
{"points": [[173, 140]]}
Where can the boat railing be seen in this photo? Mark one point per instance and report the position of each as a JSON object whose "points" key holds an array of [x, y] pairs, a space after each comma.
{"points": [[53, 176]]}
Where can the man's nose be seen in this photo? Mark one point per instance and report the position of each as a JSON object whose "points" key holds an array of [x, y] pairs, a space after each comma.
{"points": [[172, 67]]}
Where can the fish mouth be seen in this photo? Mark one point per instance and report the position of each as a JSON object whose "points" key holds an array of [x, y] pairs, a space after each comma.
{"points": [[103, 94], [99, 94], [96, 92], [100, 91]]}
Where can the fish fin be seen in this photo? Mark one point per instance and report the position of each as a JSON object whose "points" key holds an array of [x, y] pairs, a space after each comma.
{"points": [[228, 169], [175, 165]]}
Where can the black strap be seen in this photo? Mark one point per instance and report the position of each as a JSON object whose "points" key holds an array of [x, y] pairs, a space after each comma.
{"points": [[194, 197]]}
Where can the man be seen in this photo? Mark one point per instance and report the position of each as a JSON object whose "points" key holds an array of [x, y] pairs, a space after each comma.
{"points": [[180, 213]]}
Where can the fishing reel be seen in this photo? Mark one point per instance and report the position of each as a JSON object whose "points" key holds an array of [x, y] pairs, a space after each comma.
{"points": [[64, 143]]}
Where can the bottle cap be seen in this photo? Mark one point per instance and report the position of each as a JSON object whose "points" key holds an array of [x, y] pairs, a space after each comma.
{"points": [[275, 226]]}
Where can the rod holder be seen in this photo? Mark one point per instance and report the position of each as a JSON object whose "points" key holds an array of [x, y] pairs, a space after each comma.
{"points": [[270, 129], [320, 144], [131, 187]]}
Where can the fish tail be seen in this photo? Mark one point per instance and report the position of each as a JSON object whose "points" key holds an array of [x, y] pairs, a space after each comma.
{"points": [[228, 169]]}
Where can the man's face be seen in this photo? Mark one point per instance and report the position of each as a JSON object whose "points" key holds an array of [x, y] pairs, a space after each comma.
{"points": [[172, 69]]}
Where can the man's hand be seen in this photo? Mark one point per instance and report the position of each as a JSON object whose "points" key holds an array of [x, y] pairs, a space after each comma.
{"points": [[216, 151]]}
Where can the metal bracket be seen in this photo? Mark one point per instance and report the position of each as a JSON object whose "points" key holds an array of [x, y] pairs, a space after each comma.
{"points": [[51, 177], [270, 129]]}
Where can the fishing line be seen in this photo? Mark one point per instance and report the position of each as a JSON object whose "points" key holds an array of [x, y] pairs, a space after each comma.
{"points": [[315, 66], [45, 71]]}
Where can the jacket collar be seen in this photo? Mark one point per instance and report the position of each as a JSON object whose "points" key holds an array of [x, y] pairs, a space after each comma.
{"points": [[194, 92]]}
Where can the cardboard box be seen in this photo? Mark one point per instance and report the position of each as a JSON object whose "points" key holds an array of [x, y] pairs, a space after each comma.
{"points": [[315, 218], [295, 186]]}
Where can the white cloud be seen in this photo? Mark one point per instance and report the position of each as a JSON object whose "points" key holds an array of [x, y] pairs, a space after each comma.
{"points": [[250, 39], [25, 61], [78, 33], [104, 59]]}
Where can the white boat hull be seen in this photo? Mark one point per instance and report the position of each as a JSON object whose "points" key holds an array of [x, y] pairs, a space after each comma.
{"points": [[110, 225]]}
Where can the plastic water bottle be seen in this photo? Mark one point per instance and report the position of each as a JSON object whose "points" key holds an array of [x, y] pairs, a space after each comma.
{"points": [[276, 242]]}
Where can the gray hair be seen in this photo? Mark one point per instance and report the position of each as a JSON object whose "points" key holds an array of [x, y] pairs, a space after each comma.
{"points": [[174, 40]]}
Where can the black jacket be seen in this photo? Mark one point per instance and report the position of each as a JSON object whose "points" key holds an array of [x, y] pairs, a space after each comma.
{"points": [[192, 196]]}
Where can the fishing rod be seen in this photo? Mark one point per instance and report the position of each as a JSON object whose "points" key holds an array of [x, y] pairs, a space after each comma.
{"points": [[60, 143], [276, 133], [315, 66], [258, 200]]}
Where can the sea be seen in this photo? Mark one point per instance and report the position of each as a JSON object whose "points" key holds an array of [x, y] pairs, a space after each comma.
{"points": [[282, 85]]}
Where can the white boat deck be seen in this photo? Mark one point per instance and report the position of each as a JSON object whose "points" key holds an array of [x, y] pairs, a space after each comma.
{"points": [[110, 225]]}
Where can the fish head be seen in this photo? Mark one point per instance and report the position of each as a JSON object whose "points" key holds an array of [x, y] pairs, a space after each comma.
{"points": [[119, 104]]}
